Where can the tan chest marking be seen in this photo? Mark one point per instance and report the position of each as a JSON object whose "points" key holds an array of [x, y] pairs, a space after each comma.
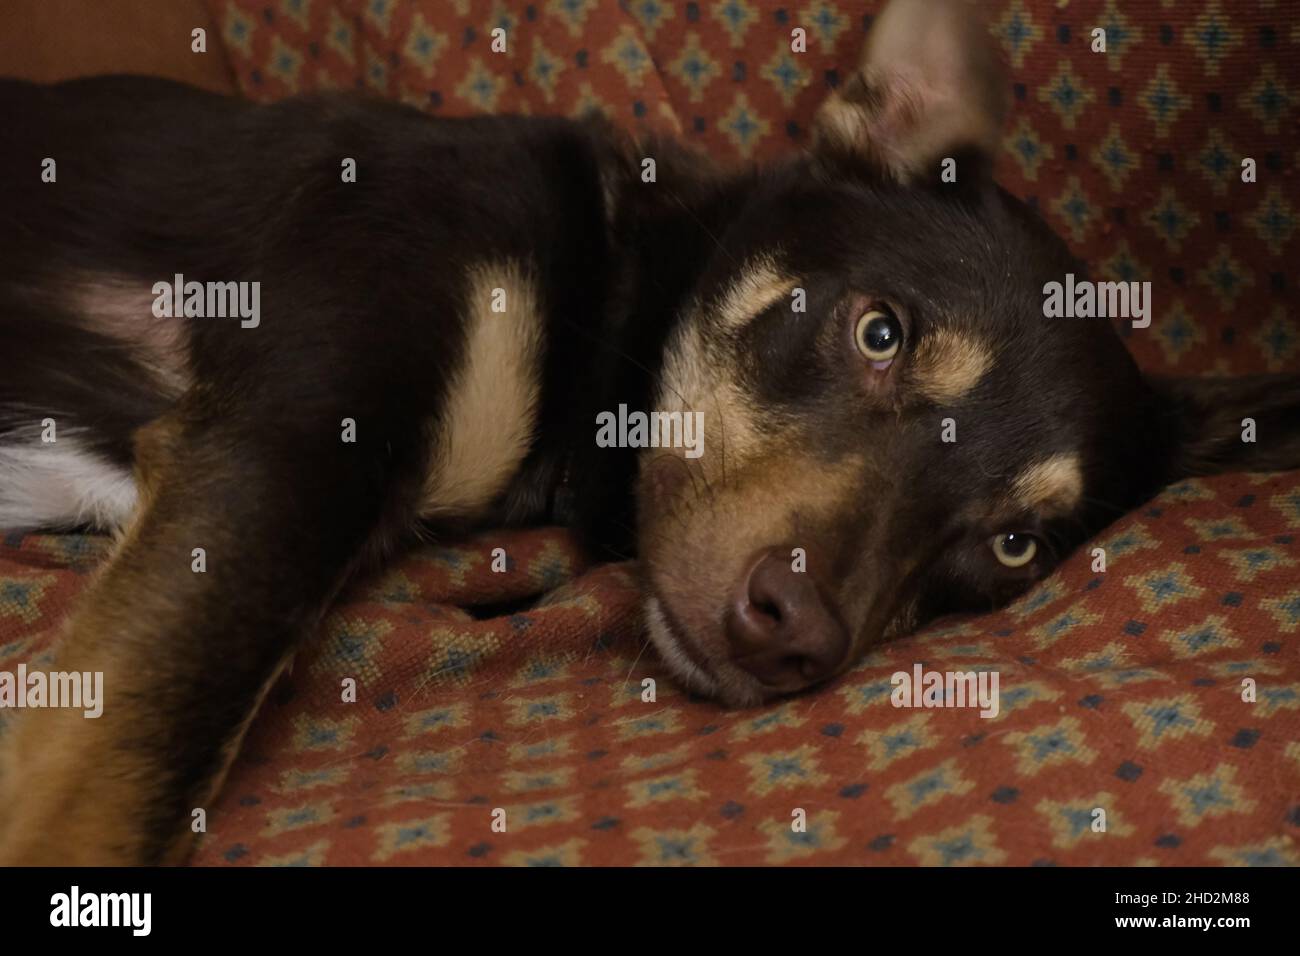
{"points": [[490, 415]]}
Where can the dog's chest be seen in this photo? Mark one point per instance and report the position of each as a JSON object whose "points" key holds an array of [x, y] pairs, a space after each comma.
{"points": [[488, 418]]}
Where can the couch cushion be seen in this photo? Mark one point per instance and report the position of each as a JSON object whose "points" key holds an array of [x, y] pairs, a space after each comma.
{"points": [[1122, 691]]}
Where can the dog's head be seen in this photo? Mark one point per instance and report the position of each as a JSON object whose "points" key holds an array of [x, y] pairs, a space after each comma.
{"points": [[894, 429]]}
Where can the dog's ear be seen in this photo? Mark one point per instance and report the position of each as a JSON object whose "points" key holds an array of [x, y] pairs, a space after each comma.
{"points": [[929, 86], [1217, 425]]}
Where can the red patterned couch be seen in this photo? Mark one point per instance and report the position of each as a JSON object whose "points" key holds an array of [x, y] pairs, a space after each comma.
{"points": [[1121, 690]]}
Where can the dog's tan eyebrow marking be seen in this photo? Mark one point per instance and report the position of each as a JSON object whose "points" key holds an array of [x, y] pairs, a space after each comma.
{"points": [[760, 285], [1053, 484], [948, 364]]}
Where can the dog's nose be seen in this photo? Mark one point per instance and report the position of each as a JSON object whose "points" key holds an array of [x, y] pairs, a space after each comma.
{"points": [[780, 628]]}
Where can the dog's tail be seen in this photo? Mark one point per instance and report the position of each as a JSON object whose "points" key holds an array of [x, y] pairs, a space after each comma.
{"points": [[83, 361], [71, 400]]}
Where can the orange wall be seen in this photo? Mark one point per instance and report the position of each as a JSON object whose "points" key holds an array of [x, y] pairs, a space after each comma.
{"points": [[58, 39]]}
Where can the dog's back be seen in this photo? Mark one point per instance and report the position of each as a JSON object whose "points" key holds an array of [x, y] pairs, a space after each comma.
{"points": [[269, 340], [394, 251]]}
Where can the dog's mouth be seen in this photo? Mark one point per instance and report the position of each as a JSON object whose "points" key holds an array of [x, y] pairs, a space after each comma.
{"points": [[692, 667], [676, 651]]}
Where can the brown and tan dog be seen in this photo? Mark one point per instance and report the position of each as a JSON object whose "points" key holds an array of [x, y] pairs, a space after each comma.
{"points": [[895, 429]]}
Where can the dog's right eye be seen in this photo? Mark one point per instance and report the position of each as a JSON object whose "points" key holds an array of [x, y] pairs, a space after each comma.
{"points": [[879, 335], [1014, 550]]}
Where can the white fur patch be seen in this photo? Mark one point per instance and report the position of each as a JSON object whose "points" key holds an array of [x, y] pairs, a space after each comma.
{"points": [[60, 484]]}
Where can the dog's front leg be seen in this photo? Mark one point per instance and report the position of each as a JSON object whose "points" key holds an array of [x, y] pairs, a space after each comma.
{"points": [[239, 545]]}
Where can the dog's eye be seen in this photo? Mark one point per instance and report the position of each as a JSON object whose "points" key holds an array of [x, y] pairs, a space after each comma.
{"points": [[1014, 550], [879, 336]]}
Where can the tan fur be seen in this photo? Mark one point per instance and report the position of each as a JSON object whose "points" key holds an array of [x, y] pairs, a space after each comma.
{"points": [[760, 284], [697, 547], [72, 789], [121, 308], [695, 543], [67, 784], [1053, 485], [696, 378], [491, 413], [700, 373], [948, 364]]}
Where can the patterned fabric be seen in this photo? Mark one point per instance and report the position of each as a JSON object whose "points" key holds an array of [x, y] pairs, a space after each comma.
{"points": [[1120, 691]]}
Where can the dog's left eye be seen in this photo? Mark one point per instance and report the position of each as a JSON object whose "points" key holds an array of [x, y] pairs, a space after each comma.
{"points": [[879, 336], [1014, 550]]}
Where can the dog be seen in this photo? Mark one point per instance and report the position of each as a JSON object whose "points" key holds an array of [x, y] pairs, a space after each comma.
{"points": [[267, 343]]}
